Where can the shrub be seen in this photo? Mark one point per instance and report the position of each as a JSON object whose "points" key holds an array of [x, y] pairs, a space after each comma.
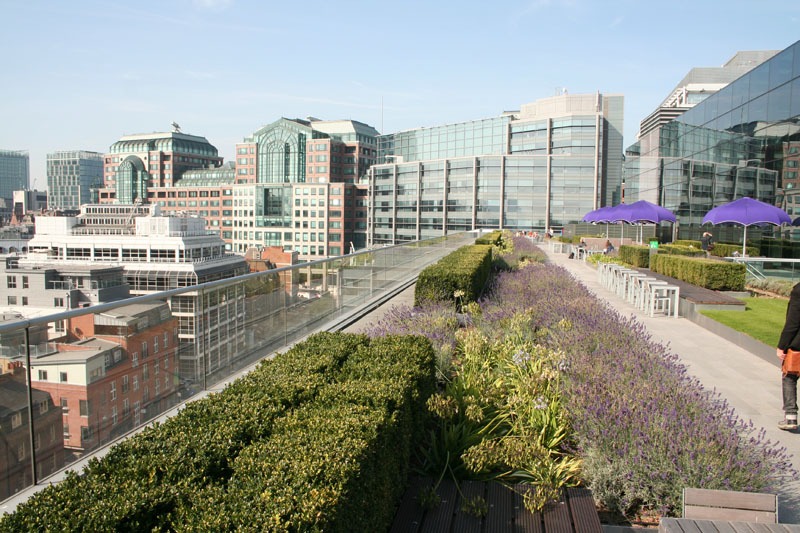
{"points": [[781, 287], [638, 256], [318, 438], [675, 436], [460, 277], [711, 274]]}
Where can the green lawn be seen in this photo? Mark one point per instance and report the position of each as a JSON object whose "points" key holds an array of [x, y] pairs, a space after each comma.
{"points": [[762, 318]]}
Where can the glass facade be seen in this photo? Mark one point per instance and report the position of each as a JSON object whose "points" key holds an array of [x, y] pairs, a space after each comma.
{"points": [[484, 137], [282, 151], [743, 140], [71, 176], [546, 165], [14, 173]]}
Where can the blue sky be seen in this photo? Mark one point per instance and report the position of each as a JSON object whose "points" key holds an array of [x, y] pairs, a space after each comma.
{"points": [[78, 75]]}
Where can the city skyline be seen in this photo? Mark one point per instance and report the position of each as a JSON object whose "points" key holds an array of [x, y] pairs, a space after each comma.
{"points": [[87, 73]]}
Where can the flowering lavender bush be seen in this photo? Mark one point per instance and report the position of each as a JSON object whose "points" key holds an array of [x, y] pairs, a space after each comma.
{"points": [[624, 404], [644, 428], [514, 252]]}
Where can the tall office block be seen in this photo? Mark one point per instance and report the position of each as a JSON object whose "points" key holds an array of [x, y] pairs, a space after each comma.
{"points": [[137, 165], [71, 175], [543, 166], [300, 184], [743, 140], [642, 163], [14, 176]]}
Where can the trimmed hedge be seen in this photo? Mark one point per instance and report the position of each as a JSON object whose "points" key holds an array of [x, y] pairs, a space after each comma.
{"points": [[465, 271], [318, 438], [711, 274], [638, 256], [493, 239], [694, 248]]}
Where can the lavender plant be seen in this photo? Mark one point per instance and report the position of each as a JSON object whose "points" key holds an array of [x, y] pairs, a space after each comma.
{"points": [[595, 387], [644, 428]]}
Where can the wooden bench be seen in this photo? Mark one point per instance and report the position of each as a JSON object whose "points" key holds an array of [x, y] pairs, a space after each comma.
{"points": [[575, 511], [730, 505]]}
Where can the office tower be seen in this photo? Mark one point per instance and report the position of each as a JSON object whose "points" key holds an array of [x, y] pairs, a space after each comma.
{"points": [[14, 176], [543, 166], [743, 140], [71, 176]]}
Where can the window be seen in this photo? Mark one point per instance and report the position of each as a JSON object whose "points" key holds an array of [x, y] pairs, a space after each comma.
{"points": [[24, 300], [155, 344], [11, 282], [25, 284], [125, 385], [145, 353], [42, 375], [86, 433], [135, 382], [114, 390], [113, 416], [135, 359], [12, 300], [44, 407], [84, 407], [16, 420], [62, 377], [64, 405]]}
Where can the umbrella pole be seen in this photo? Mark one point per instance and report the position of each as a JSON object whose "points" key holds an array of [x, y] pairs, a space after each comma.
{"points": [[744, 242]]}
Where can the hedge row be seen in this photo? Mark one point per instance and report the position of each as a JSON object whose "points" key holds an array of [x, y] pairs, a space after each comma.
{"points": [[721, 249], [459, 277], [638, 256], [318, 438], [493, 239], [711, 274]]}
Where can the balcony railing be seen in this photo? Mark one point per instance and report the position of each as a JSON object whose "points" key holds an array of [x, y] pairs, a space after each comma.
{"points": [[235, 322]]}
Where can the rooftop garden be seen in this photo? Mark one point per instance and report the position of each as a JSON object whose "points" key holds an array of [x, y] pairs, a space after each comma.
{"points": [[514, 373], [546, 384]]}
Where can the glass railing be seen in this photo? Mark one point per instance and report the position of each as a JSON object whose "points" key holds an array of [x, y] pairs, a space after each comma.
{"points": [[771, 268], [75, 381]]}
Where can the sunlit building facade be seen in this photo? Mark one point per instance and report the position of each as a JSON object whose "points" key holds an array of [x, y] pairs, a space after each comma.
{"points": [[71, 176], [743, 140], [300, 184], [543, 166], [14, 176]]}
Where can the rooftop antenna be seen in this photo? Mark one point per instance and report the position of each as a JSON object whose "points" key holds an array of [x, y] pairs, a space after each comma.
{"points": [[175, 127]]}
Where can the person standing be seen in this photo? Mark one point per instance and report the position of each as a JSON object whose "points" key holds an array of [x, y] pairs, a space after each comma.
{"points": [[707, 243], [790, 338]]}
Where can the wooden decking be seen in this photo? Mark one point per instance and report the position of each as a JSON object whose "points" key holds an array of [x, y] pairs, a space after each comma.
{"points": [[505, 510]]}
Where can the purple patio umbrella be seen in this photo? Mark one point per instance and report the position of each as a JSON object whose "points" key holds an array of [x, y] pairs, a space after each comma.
{"points": [[747, 212], [600, 216], [641, 212]]}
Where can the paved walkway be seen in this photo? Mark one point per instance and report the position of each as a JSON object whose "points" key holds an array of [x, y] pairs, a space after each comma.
{"points": [[750, 384]]}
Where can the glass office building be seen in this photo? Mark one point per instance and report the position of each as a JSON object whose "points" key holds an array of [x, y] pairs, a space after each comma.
{"points": [[14, 173], [743, 140], [71, 176], [543, 166]]}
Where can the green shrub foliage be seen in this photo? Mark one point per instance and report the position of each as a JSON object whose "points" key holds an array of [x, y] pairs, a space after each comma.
{"points": [[459, 277], [711, 274], [638, 256], [318, 438]]}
